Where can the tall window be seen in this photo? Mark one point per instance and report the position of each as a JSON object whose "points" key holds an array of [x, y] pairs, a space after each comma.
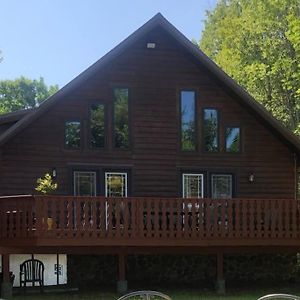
{"points": [[221, 185], [188, 123], [233, 139], [72, 134], [210, 130], [115, 184], [121, 119], [97, 126], [84, 183], [192, 185]]}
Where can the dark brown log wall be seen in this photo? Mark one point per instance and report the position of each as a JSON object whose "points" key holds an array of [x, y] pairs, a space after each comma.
{"points": [[155, 78]]}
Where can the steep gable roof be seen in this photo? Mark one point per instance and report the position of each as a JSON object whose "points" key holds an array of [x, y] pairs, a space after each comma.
{"points": [[158, 20], [14, 116]]}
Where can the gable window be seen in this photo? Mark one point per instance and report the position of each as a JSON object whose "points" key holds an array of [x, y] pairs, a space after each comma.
{"points": [[121, 118], [221, 186], [116, 184], [84, 183], [97, 126], [233, 139], [210, 130], [72, 134], [192, 186], [188, 122]]}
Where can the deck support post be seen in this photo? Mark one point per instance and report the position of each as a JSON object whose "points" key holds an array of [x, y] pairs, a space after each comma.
{"points": [[220, 283], [122, 282], [6, 285]]}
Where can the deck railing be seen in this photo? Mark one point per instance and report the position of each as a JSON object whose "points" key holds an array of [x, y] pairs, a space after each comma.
{"points": [[67, 217]]}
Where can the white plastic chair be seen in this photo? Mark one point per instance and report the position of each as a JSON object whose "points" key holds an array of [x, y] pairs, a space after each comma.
{"points": [[145, 295], [279, 296]]}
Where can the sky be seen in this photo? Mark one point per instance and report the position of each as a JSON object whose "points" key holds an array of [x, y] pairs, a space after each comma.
{"points": [[58, 39]]}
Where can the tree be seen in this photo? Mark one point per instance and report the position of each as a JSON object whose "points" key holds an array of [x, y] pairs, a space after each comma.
{"points": [[45, 185], [257, 42], [23, 93]]}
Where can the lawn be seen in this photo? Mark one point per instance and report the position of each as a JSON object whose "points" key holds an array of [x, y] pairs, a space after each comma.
{"points": [[232, 294]]}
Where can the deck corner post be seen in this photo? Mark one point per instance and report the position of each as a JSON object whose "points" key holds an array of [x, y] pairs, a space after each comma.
{"points": [[122, 285], [6, 285], [220, 283]]}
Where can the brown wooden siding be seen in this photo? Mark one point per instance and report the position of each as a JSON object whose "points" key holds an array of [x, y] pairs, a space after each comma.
{"points": [[155, 78]]}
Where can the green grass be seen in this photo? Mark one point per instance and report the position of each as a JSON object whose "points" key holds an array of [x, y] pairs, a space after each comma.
{"points": [[232, 294]]}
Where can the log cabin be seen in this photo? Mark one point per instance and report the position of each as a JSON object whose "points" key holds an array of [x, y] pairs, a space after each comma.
{"points": [[154, 150]]}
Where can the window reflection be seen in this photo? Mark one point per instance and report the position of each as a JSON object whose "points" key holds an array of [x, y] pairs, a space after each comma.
{"points": [[121, 120], [188, 128], [97, 126], [210, 131], [221, 186], [72, 134], [232, 139]]}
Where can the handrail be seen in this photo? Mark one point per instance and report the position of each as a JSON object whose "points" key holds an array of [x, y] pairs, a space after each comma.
{"points": [[147, 219]]}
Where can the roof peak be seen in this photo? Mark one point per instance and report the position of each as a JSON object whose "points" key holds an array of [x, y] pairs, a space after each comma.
{"points": [[157, 19]]}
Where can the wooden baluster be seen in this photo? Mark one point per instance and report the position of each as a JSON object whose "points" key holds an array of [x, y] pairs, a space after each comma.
{"points": [[251, 219], [156, 218], [280, 218], [259, 219], [294, 216], [200, 218], [132, 216], [103, 217], [125, 213], [30, 217], [164, 219], [18, 220], [174, 218], [224, 217], [148, 218], [287, 217], [118, 203], [215, 204], [243, 216], [230, 220], [61, 220], [193, 219], [207, 217]]}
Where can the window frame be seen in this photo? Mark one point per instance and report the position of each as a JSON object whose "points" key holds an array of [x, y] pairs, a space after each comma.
{"points": [[183, 174], [84, 171], [80, 135], [196, 138], [218, 130], [116, 173], [240, 143], [113, 136], [233, 183]]}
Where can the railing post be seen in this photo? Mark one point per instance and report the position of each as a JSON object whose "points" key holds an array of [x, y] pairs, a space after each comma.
{"points": [[6, 285], [220, 284]]}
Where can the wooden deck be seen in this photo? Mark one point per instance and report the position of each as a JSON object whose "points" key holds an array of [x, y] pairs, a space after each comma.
{"points": [[59, 221]]}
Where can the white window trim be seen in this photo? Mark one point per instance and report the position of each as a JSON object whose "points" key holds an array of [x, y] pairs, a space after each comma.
{"points": [[117, 173], [193, 174], [84, 172], [231, 181]]}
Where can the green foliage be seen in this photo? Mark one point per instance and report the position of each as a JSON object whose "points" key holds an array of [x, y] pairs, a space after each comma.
{"points": [[46, 185], [23, 93], [258, 44]]}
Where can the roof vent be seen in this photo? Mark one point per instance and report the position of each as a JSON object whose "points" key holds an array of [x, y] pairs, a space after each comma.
{"points": [[151, 45]]}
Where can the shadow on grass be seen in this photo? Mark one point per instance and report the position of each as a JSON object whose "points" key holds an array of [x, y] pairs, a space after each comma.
{"points": [[251, 293]]}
